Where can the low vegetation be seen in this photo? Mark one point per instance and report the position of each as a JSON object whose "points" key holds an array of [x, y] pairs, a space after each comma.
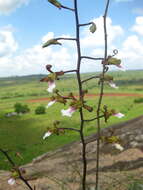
{"points": [[23, 133]]}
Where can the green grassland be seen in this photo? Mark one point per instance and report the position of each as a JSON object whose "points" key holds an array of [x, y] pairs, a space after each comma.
{"points": [[24, 133]]}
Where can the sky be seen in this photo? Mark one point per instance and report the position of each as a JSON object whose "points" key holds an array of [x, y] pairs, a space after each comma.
{"points": [[26, 24]]}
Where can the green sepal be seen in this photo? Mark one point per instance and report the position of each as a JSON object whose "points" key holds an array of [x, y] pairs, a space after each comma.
{"points": [[106, 77], [56, 3], [52, 76], [93, 27], [77, 104], [15, 174], [60, 99], [51, 42], [114, 61]]}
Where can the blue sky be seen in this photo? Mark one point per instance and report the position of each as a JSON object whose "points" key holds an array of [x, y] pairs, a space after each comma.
{"points": [[26, 24]]}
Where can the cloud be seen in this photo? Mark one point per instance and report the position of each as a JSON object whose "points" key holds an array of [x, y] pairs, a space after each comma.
{"points": [[97, 39], [138, 26], [8, 44], [7, 6], [34, 59], [138, 11]]}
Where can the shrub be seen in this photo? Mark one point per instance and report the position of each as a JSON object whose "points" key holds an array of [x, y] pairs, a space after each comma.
{"points": [[40, 110], [19, 108], [136, 186], [138, 100]]}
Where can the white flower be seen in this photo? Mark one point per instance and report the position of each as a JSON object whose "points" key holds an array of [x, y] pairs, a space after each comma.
{"points": [[121, 67], [47, 134], [68, 112], [113, 85], [118, 146], [11, 181], [50, 103], [52, 85], [119, 115]]}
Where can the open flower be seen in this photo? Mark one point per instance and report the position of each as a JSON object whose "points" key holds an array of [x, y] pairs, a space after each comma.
{"points": [[52, 85], [50, 103], [118, 146], [47, 134], [121, 67], [69, 111], [119, 115], [11, 181], [113, 85]]}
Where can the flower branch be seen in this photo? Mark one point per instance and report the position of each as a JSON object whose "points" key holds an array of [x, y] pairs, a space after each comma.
{"points": [[101, 96], [86, 24], [94, 77], [92, 58], [18, 172]]}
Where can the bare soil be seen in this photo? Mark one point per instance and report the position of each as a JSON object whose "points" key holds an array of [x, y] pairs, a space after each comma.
{"points": [[93, 95]]}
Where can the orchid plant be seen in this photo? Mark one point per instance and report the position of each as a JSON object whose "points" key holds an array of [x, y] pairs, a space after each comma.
{"points": [[78, 103]]}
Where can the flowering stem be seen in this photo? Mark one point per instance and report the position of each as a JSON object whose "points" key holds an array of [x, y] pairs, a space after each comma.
{"points": [[68, 8], [71, 129], [86, 24], [81, 98], [70, 71], [100, 98], [92, 58], [74, 39], [16, 169], [94, 77], [88, 120]]}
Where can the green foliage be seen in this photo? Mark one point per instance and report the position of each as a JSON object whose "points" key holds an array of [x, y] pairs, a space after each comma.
{"points": [[138, 100], [136, 186], [19, 108], [40, 110]]}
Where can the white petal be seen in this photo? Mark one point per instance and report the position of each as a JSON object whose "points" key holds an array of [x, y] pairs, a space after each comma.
{"points": [[47, 134], [118, 146], [68, 112], [119, 115], [11, 181], [121, 68], [113, 85], [52, 85], [50, 103]]}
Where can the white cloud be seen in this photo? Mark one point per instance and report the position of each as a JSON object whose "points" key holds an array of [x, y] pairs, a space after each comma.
{"points": [[138, 11], [8, 44], [131, 52], [7, 6], [34, 59], [97, 39], [138, 27]]}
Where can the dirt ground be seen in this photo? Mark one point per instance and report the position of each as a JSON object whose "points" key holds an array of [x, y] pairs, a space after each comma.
{"points": [[93, 95], [61, 169]]}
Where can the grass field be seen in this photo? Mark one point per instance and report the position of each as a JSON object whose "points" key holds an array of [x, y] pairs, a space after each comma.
{"points": [[24, 133]]}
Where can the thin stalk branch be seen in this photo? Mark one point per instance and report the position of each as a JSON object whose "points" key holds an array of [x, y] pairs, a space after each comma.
{"points": [[84, 172], [95, 118], [86, 24], [68, 128], [60, 38], [94, 77], [100, 97], [92, 58], [70, 71], [16, 169], [68, 8]]}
